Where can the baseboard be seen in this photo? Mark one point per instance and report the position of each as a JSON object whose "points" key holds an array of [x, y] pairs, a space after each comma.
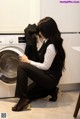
{"points": [[69, 87]]}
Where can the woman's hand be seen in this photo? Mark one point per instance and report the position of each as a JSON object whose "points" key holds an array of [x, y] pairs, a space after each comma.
{"points": [[24, 58]]}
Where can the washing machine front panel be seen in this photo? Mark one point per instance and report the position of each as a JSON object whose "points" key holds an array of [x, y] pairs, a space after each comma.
{"points": [[11, 46]]}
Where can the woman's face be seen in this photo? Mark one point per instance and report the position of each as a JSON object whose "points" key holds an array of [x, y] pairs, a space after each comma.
{"points": [[40, 37]]}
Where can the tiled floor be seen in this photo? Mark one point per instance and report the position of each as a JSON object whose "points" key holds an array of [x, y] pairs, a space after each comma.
{"points": [[42, 108]]}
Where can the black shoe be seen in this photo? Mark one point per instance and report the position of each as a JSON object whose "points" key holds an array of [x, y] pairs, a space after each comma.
{"points": [[21, 105], [54, 95]]}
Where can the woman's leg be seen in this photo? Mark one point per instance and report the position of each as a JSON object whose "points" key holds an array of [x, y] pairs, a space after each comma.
{"points": [[38, 76], [36, 92], [21, 84], [26, 70]]}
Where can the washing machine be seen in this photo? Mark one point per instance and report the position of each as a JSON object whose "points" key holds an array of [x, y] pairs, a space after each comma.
{"points": [[11, 46]]}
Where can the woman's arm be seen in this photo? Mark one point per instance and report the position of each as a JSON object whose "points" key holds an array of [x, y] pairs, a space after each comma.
{"points": [[48, 58]]}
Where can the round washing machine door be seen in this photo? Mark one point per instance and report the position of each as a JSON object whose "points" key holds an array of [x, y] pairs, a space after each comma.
{"points": [[9, 61]]}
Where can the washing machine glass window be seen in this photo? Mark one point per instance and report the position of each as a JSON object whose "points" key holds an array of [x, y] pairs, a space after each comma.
{"points": [[9, 61]]}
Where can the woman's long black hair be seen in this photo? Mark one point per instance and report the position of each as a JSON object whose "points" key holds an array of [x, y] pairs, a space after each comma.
{"points": [[49, 29]]}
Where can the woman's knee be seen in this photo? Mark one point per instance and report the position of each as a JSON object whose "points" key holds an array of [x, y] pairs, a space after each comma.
{"points": [[20, 66], [23, 66]]}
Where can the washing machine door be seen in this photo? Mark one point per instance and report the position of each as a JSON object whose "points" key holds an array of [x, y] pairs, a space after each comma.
{"points": [[9, 61]]}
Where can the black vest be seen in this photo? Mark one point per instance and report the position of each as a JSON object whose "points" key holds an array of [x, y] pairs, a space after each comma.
{"points": [[38, 56], [55, 69]]}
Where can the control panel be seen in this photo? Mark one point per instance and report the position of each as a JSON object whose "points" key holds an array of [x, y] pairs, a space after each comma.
{"points": [[12, 39]]}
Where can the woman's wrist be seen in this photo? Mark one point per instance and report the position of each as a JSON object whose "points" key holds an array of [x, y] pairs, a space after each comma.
{"points": [[29, 61]]}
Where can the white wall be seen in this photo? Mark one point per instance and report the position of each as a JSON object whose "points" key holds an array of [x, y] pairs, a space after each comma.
{"points": [[72, 62], [15, 15], [67, 15]]}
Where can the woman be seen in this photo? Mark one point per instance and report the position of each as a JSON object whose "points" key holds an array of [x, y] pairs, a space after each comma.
{"points": [[47, 71]]}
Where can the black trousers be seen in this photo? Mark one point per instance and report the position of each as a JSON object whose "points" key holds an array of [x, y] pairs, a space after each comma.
{"points": [[41, 86]]}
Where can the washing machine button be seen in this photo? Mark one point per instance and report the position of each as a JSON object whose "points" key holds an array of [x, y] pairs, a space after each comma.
{"points": [[11, 41]]}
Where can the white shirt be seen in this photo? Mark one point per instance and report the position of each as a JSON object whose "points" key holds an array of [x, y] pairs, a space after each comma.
{"points": [[48, 57]]}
